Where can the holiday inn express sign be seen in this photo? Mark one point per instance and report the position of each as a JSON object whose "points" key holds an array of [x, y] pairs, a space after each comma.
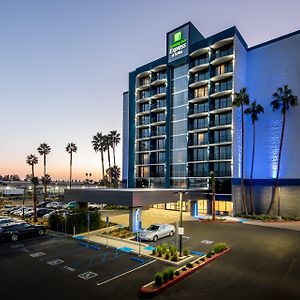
{"points": [[178, 43]]}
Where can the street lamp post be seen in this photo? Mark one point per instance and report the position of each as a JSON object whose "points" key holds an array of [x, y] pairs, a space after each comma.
{"points": [[180, 229]]}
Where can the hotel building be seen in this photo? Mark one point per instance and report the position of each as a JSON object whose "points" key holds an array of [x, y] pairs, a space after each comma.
{"points": [[179, 123]]}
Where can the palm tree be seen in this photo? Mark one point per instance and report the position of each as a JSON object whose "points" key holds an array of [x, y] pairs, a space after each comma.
{"points": [[43, 150], [99, 146], [283, 99], [241, 99], [108, 144], [253, 110], [33, 160], [114, 173], [213, 190], [71, 148], [115, 137], [46, 180]]}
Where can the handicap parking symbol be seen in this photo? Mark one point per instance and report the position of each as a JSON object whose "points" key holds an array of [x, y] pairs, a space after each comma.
{"points": [[207, 242], [37, 254], [55, 262], [87, 275]]}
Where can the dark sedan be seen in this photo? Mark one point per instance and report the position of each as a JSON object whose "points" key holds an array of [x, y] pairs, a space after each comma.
{"points": [[16, 231]]}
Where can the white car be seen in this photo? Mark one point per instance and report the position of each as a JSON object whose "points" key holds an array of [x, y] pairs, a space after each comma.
{"points": [[55, 205], [157, 231]]}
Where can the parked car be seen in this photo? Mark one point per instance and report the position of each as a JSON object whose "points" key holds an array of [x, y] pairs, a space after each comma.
{"points": [[55, 204], [4, 221], [62, 212], [16, 231], [40, 212], [157, 231], [72, 205]]}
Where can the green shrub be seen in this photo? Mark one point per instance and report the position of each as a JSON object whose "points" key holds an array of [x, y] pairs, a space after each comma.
{"points": [[186, 252], [184, 269], [171, 273], [208, 255], [174, 257], [159, 251], [167, 254], [176, 273], [158, 278], [202, 258], [154, 252], [219, 247], [164, 247], [173, 250], [166, 275]]}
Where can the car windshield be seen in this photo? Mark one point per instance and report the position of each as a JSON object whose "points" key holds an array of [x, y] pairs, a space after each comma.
{"points": [[153, 228]]}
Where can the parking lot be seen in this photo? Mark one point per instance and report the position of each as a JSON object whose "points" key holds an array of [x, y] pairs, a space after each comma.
{"points": [[264, 264]]}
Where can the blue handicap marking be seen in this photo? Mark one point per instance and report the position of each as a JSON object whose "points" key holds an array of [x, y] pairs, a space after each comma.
{"points": [[137, 259], [125, 249], [94, 247], [79, 237], [149, 248], [197, 253], [242, 220], [84, 244]]}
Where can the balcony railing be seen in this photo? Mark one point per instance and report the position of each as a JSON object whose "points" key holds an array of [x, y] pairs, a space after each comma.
{"points": [[222, 139], [220, 156], [196, 142], [159, 118], [200, 61], [143, 135], [221, 87], [158, 132], [199, 77], [159, 90], [220, 71], [221, 53], [220, 122], [198, 109], [143, 108], [158, 104], [198, 125], [144, 94], [198, 173], [158, 76], [225, 173], [157, 161]]}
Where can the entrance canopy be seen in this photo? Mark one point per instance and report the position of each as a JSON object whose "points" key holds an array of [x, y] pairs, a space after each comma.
{"points": [[132, 197]]}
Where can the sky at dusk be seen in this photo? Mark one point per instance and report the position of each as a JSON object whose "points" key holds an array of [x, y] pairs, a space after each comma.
{"points": [[64, 65]]}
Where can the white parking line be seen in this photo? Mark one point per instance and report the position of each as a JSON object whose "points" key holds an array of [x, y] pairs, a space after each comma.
{"points": [[123, 274]]}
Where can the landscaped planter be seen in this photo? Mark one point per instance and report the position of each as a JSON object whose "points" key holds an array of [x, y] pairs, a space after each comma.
{"points": [[151, 289]]}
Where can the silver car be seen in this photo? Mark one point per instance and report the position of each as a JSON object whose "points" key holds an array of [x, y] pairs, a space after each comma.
{"points": [[157, 231]]}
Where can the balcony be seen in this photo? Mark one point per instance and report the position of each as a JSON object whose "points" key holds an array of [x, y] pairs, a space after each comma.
{"points": [[142, 162], [220, 140], [198, 79], [199, 64], [158, 119], [143, 109], [159, 92], [198, 96], [197, 142], [143, 122], [157, 162], [140, 136], [158, 106], [158, 133], [221, 123], [198, 126], [198, 111], [223, 173], [158, 79], [221, 56], [143, 96], [225, 156], [222, 73], [221, 89]]}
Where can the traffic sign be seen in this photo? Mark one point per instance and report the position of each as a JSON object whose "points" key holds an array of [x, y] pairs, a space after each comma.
{"points": [[107, 220]]}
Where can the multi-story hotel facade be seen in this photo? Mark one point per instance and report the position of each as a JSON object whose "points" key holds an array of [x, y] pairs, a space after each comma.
{"points": [[179, 123]]}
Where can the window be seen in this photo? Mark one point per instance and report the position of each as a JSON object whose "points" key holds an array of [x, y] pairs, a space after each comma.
{"points": [[157, 171], [143, 133], [200, 138], [180, 71], [143, 146], [201, 92], [200, 123], [178, 170], [222, 169], [178, 142], [179, 99], [222, 102], [143, 159], [179, 84], [198, 169], [222, 119], [178, 156], [142, 171], [200, 107], [179, 113], [200, 154], [179, 127]]}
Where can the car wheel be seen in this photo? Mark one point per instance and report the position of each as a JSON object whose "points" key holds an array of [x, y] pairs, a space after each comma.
{"points": [[14, 237], [155, 238], [171, 233], [41, 232]]}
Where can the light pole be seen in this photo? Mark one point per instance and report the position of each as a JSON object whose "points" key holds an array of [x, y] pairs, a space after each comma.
{"points": [[180, 229]]}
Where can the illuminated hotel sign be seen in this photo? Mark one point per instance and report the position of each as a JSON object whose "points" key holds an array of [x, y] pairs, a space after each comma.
{"points": [[178, 43]]}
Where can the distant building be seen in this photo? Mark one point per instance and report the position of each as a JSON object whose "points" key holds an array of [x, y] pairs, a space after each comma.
{"points": [[179, 124]]}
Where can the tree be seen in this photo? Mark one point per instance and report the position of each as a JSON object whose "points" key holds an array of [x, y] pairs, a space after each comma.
{"points": [[33, 160], [253, 110], [98, 143], [114, 173], [46, 180], [71, 148], [43, 150], [283, 99], [115, 137], [241, 99], [213, 191]]}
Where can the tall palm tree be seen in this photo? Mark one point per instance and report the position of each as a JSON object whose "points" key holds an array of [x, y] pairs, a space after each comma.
{"points": [[43, 150], [114, 173], [240, 100], [71, 148], [98, 143], [115, 136], [283, 99], [108, 144], [32, 160], [253, 110]]}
